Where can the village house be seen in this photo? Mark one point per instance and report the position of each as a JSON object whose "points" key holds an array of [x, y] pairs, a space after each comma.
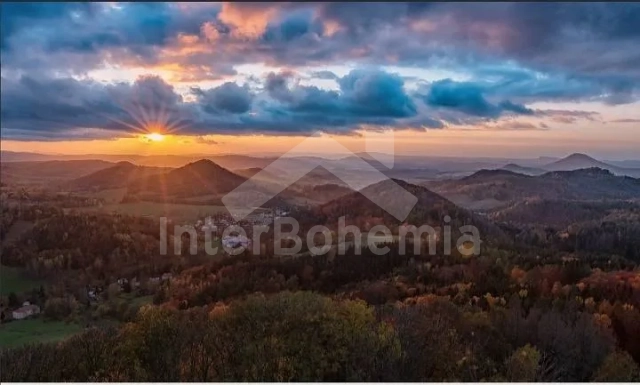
{"points": [[25, 311], [93, 292], [235, 241]]}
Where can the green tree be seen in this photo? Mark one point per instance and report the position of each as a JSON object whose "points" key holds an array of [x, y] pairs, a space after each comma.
{"points": [[522, 365], [60, 308], [619, 366], [154, 344]]}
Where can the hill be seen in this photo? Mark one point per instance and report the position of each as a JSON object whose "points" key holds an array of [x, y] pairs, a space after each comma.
{"points": [[581, 161], [576, 161], [318, 176], [487, 189], [252, 171], [496, 188], [202, 178], [313, 194], [483, 175], [122, 174], [316, 187], [522, 169], [430, 209], [14, 156], [563, 213], [595, 183]]}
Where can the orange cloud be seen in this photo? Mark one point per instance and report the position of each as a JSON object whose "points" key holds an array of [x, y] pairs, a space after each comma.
{"points": [[248, 19], [331, 27], [210, 31]]}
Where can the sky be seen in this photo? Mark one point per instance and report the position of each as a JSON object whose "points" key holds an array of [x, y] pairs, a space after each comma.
{"points": [[456, 79]]}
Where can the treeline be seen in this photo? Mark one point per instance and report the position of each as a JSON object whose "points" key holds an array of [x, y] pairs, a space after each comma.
{"points": [[307, 337], [588, 228], [612, 238], [100, 246]]}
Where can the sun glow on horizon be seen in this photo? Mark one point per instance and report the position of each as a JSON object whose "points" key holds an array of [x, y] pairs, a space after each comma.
{"points": [[154, 137]]}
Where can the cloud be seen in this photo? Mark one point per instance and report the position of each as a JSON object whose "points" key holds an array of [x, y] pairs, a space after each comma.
{"points": [[327, 75], [204, 140], [516, 126], [45, 106], [366, 98], [96, 26], [468, 98], [510, 55], [568, 116], [292, 26], [17, 16], [625, 121], [227, 98], [42, 105], [376, 93], [547, 37]]}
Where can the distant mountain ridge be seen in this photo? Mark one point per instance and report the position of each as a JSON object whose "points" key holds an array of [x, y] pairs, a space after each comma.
{"points": [[582, 161], [503, 187], [574, 162]]}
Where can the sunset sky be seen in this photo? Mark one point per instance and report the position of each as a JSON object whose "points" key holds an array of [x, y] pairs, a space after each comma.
{"points": [[458, 79]]}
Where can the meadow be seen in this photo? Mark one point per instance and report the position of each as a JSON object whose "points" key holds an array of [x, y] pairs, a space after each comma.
{"points": [[174, 211], [36, 330]]}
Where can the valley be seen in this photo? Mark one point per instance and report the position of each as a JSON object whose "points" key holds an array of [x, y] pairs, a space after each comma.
{"points": [[81, 242]]}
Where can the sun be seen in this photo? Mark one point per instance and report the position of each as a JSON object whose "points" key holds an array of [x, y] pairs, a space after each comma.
{"points": [[155, 137]]}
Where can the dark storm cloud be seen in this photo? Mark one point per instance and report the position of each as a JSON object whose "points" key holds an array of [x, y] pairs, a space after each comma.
{"points": [[76, 38], [366, 97], [89, 27], [44, 105], [545, 35], [229, 98], [17, 16], [292, 26], [376, 93]]}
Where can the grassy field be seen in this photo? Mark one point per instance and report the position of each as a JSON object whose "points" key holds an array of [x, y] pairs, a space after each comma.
{"points": [[132, 300], [13, 280], [22, 332], [110, 196], [177, 212], [173, 211]]}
